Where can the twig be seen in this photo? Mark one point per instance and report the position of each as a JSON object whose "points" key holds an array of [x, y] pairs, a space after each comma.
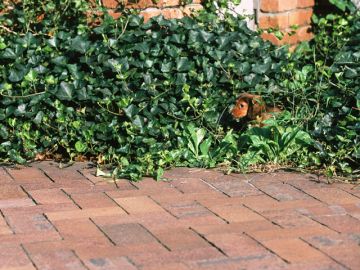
{"points": [[10, 31]]}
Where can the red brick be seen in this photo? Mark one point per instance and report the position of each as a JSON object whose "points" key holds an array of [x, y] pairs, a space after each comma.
{"points": [[110, 3], [305, 3], [284, 192], [15, 203], [305, 34], [192, 185], [11, 192], [23, 238], [172, 13], [205, 220], [86, 251], [140, 4], [268, 261], [342, 223], [93, 200], [85, 213], [127, 234], [184, 209], [180, 238], [73, 244], [277, 5], [274, 21], [14, 258], [272, 38], [39, 209], [182, 172], [91, 189], [294, 250], [30, 223], [78, 229], [271, 207], [300, 17], [169, 266], [236, 214], [237, 245], [333, 196], [235, 227], [168, 3], [4, 228], [135, 205], [191, 9], [49, 196], [149, 184], [49, 259], [291, 220], [288, 233], [154, 221], [67, 177], [28, 174], [114, 14], [325, 210], [324, 265], [112, 263], [175, 256], [234, 187], [341, 248], [5, 178]]}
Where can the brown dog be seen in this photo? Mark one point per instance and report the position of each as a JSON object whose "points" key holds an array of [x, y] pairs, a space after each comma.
{"points": [[253, 107]]}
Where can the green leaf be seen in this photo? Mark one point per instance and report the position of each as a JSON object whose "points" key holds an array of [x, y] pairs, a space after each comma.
{"points": [[261, 68], [38, 118], [31, 76], [9, 54], [205, 146], [65, 91], [4, 134], [80, 44], [16, 75], [80, 147], [183, 64], [131, 111]]}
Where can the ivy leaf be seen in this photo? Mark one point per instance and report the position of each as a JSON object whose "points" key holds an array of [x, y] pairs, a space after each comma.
{"points": [[131, 111], [166, 67], [65, 92], [3, 132], [80, 44], [16, 75], [261, 68], [9, 54], [183, 64], [38, 118], [80, 147], [20, 110], [31, 76], [53, 42], [351, 73]]}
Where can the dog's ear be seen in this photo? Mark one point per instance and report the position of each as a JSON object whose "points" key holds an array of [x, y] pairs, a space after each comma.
{"points": [[256, 107]]}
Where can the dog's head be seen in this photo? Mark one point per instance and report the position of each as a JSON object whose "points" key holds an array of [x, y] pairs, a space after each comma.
{"points": [[248, 105]]}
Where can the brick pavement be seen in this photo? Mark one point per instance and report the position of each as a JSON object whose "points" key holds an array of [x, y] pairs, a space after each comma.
{"points": [[53, 218]]}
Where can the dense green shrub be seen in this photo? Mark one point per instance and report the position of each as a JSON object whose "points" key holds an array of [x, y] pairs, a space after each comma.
{"points": [[325, 86], [144, 97]]}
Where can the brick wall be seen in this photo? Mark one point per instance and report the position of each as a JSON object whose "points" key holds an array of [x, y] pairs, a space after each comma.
{"points": [[276, 14], [282, 14], [170, 9]]}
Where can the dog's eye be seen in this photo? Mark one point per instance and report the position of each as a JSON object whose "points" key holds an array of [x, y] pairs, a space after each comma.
{"points": [[241, 105]]}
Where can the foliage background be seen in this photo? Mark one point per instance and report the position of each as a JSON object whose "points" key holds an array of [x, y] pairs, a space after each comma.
{"points": [[140, 98]]}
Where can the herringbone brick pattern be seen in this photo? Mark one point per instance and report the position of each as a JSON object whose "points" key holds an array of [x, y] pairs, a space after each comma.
{"points": [[53, 218]]}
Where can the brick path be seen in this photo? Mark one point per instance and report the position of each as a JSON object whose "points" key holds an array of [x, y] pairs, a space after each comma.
{"points": [[54, 218]]}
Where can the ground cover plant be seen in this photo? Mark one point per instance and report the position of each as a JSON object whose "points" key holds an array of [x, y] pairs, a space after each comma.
{"points": [[142, 97]]}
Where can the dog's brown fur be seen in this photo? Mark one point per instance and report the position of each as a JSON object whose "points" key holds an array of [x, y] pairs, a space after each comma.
{"points": [[253, 107]]}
